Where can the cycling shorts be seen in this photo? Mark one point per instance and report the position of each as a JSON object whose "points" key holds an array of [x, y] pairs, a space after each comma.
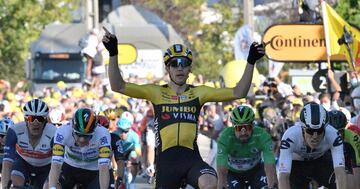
{"points": [[321, 170], [24, 169], [255, 178], [172, 173], [71, 176]]}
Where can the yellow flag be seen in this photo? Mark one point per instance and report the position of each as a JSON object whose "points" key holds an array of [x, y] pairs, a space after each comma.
{"points": [[334, 27]]}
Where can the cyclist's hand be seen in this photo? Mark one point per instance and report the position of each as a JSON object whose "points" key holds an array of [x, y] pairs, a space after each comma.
{"points": [[150, 170], [255, 53], [119, 183], [110, 42]]}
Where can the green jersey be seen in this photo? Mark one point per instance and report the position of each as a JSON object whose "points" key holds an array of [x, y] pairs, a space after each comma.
{"points": [[239, 157], [351, 149]]}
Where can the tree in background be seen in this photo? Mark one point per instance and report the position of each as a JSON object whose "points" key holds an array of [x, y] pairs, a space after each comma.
{"points": [[210, 43], [349, 10], [21, 23]]}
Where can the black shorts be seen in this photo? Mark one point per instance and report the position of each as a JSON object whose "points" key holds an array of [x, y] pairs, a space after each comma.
{"points": [[255, 178], [321, 170], [24, 169], [71, 176], [172, 172]]}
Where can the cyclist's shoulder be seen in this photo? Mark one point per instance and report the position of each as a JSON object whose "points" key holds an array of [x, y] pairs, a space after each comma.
{"points": [[260, 133], [50, 128], [351, 137], [19, 127]]}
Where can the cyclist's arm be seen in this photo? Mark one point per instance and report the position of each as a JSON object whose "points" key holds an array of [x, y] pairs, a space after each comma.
{"points": [[221, 159], [242, 87], [269, 160], [104, 176], [9, 155], [285, 162], [117, 82], [54, 174], [340, 176], [337, 153], [222, 174], [104, 159]]}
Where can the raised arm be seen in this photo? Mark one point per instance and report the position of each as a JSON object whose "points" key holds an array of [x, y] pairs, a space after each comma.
{"points": [[117, 82], [242, 87]]}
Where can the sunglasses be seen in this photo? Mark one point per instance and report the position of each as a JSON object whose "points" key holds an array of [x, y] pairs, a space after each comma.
{"points": [[247, 127], [32, 118], [2, 136], [313, 131], [176, 62], [80, 135], [121, 131]]}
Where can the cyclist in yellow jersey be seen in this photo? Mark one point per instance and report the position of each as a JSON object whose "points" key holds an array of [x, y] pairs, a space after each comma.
{"points": [[177, 106]]}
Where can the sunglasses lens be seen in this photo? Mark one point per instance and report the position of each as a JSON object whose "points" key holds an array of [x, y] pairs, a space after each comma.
{"points": [[183, 62], [33, 118], [312, 131], [123, 131], [247, 127]]}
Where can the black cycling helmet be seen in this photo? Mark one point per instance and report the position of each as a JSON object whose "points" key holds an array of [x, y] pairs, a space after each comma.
{"points": [[314, 116], [84, 121], [337, 119]]}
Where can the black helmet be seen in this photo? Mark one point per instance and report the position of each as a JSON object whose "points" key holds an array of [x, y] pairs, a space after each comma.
{"points": [[84, 121], [337, 119], [314, 116]]}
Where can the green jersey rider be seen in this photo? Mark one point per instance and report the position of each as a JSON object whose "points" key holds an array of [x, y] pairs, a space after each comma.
{"points": [[177, 107], [240, 151], [351, 140]]}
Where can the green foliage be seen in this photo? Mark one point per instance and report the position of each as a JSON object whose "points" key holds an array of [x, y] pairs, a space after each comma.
{"points": [[349, 10], [210, 43], [21, 22]]}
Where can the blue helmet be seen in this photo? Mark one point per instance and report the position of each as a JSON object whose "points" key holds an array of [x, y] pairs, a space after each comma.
{"points": [[5, 124], [125, 121]]}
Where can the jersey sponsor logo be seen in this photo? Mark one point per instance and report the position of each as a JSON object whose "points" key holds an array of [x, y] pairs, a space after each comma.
{"points": [[184, 109], [187, 116], [103, 140], [58, 150], [156, 131], [338, 141], [165, 116], [104, 152], [285, 144], [59, 138], [220, 151]]}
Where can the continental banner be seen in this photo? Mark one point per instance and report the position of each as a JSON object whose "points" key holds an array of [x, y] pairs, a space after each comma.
{"points": [[297, 43]]}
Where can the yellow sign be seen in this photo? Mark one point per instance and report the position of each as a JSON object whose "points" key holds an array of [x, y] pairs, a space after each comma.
{"points": [[297, 43], [127, 54]]}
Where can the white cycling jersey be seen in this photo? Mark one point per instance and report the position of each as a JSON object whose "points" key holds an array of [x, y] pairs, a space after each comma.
{"points": [[17, 141], [293, 147], [97, 152]]}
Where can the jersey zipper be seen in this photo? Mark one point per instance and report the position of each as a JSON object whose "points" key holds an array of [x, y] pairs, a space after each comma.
{"points": [[178, 133]]}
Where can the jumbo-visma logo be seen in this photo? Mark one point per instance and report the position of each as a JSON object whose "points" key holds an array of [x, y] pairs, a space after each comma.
{"points": [[178, 112]]}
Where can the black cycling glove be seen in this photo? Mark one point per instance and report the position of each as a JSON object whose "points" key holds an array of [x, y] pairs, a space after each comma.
{"points": [[254, 54], [111, 45]]}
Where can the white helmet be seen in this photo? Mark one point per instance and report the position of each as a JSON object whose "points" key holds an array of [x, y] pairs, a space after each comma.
{"points": [[36, 107], [57, 116], [5, 124], [314, 116]]}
